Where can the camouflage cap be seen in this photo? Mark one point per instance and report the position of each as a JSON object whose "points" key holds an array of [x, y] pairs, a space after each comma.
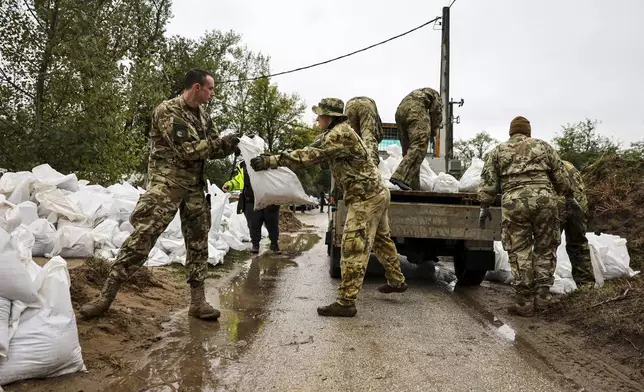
{"points": [[330, 107], [520, 124]]}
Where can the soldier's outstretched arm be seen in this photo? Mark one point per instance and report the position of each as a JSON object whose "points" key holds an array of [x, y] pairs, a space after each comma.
{"points": [[174, 131], [223, 146], [489, 179]]}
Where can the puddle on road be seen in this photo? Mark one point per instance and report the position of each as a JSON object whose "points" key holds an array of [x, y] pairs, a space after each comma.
{"points": [[190, 352]]}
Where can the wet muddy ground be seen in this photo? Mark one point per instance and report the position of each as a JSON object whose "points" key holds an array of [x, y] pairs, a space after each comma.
{"points": [[431, 338]]}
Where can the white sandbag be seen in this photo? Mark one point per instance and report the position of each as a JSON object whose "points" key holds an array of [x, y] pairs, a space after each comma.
{"points": [[616, 261], [104, 233], [28, 212], [127, 226], [471, 179], [91, 203], [174, 228], [121, 209], [564, 266], [47, 175], [170, 245], [563, 285], [44, 237], [22, 192], [73, 241], [24, 241], [445, 183], [5, 206], [237, 225], [124, 191], [15, 282], [45, 343], [427, 177], [502, 271], [157, 258], [383, 168], [53, 200], [215, 256], [119, 238], [218, 202], [220, 244], [13, 219], [10, 181], [5, 314], [233, 241], [273, 186]]}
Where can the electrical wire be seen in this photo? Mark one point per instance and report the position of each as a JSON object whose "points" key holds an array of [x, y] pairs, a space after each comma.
{"points": [[335, 58]]}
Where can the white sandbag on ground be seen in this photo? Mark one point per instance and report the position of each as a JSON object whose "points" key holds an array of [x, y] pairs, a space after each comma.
{"points": [[44, 236], [127, 226], [22, 192], [28, 212], [502, 271], [24, 240], [218, 201], [104, 233], [53, 200], [47, 175], [45, 343], [5, 315], [471, 179], [12, 219], [273, 186], [615, 261], [92, 204], [124, 191], [157, 258], [445, 183], [5, 206], [15, 284], [10, 181], [215, 256], [73, 241], [119, 238]]}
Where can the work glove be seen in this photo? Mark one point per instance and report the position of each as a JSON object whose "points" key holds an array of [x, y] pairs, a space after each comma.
{"points": [[483, 215], [264, 162]]}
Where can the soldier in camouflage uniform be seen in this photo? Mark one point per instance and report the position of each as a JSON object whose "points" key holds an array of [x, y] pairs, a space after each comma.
{"points": [[182, 138], [365, 120], [573, 222], [366, 197], [418, 118], [530, 175]]}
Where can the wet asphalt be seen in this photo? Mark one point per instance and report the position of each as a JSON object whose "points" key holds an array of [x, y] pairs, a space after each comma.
{"points": [[270, 337]]}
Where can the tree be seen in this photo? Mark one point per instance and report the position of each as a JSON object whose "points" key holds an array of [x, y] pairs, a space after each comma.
{"points": [[475, 147], [581, 144]]}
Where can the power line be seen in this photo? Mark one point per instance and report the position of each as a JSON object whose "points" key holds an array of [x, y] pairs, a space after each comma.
{"points": [[453, 1], [336, 58]]}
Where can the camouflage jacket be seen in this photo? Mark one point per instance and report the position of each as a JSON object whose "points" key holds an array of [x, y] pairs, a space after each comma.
{"points": [[578, 187], [522, 162], [365, 120], [347, 155], [431, 100], [181, 139]]}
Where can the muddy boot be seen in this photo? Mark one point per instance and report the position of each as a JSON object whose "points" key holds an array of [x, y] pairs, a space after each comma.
{"points": [[199, 308], [275, 248], [523, 307], [337, 310], [100, 304], [385, 288], [544, 299], [255, 249], [400, 184]]}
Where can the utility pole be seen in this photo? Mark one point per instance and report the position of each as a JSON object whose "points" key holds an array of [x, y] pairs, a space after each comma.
{"points": [[445, 143]]}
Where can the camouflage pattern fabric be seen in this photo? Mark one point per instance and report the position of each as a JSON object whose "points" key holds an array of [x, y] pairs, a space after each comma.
{"points": [[530, 175], [181, 139], [418, 117], [365, 120], [153, 213], [574, 226], [348, 157], [367, 227]]}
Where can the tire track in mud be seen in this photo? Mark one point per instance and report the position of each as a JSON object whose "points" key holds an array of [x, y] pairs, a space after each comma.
{"points": [[553, 349]]}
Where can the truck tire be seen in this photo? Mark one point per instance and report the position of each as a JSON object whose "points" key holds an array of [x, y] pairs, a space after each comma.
{"points": [[334, 263], [467, 277]]}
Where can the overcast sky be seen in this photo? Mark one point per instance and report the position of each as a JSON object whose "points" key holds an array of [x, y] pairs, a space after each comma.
{"points": [[554, 62]]}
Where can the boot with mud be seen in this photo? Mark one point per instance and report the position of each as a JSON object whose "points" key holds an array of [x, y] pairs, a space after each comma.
{"points": [[275, 249], [524, 306], [337, 310], [199, 308], [255, 249], [385, 288], [100, 304], [544, 299]]}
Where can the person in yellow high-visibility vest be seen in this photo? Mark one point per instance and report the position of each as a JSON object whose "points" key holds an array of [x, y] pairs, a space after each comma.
{"points": [[269, 216]]}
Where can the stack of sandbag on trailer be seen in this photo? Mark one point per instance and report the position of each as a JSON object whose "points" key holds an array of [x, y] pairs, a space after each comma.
{"points": [[608, 255], [38, 333]]}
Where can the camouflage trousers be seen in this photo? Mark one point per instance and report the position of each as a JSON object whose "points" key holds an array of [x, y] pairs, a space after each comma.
{"points": [[574, 226], [153, 213], [414, 131], [530, 234], [367, 227]]}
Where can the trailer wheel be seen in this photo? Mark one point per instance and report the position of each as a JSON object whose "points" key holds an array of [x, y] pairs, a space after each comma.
{"points": [[467, 277], [334, 263]]}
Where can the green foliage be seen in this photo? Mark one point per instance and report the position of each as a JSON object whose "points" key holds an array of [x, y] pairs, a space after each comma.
{"points": [[475, 147], [582, 145]]}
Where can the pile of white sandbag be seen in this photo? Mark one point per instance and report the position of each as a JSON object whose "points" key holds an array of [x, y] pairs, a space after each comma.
{"points": [[38, 333], [57, 215], [608, 255]]}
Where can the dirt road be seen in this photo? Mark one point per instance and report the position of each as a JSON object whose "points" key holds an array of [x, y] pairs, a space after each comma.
{"points": [[430, 338]]}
